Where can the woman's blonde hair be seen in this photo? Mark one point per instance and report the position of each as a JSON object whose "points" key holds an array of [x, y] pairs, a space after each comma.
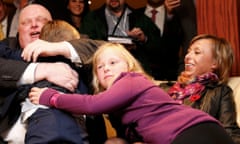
{"points": [[58, 30], [222, 53], [133, 64]]}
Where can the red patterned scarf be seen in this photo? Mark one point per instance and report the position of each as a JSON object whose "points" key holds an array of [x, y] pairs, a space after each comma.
{"points": [[192, 90]]}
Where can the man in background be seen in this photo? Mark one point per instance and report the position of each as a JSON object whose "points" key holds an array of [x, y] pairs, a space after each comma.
{"points": [[115, 20]]}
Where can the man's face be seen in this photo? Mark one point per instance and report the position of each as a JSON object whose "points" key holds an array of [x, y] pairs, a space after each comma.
{"points": [[31, 20], [155, 3], [115, 5]]}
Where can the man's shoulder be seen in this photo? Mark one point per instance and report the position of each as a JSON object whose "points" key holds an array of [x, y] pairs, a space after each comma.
{"points": [[11, 42], [140, 10]]}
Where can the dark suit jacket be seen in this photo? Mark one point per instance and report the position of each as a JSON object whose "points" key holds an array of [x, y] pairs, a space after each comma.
{"points": [[10, 70], [187, 15], [10, 73], [11, 12], [171, 41]]}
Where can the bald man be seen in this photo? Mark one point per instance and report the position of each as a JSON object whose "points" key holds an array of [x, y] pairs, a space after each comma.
{"points": [[31, 20]]}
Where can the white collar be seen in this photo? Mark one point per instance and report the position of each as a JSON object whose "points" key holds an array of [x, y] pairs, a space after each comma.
{"points": [[150, 8]]}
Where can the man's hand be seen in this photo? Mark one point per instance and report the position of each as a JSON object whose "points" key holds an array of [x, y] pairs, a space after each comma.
{"points": [[43, 48], [137, 34], [60, 74], [171, 5]]}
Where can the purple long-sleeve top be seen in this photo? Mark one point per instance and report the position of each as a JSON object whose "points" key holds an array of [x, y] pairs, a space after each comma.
{"points": [[160, 119]]}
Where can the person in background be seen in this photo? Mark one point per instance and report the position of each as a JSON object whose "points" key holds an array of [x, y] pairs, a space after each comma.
{"points": [[171, 39], [19, 4], [3, 20], [203, 83], [6, 15], [77, 10], [185, 10], [176, 21], [118, 75], [115, 21]]}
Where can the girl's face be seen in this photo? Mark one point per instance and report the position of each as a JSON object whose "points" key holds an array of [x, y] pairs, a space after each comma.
{"points": [[199, 59], [109, 66]]}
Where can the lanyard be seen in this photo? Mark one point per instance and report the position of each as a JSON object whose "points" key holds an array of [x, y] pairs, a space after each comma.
{"points": [[119, 20]]}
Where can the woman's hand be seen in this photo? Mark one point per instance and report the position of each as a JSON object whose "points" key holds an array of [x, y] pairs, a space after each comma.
{"points": [[35, 94]]}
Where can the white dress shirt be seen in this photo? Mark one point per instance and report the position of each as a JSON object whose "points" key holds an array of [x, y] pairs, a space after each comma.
{"points": [[160, 16]]}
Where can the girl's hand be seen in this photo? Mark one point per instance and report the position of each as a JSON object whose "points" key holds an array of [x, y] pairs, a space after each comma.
{"points": [[35, 94]]}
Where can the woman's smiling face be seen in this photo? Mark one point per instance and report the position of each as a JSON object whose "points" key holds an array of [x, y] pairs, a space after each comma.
{"points": [[199, 59]]}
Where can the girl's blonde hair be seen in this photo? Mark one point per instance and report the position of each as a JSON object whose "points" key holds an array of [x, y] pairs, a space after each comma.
{"points": [[222, 53], [133, 64]]}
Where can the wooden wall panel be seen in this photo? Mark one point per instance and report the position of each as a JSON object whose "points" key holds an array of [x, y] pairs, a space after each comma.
{"points": [[221, 18]]}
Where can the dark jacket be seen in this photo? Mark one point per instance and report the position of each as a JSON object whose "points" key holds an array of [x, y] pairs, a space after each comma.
{"points": [[11, 13], [167, 60], [221, 106], [10, 73]]}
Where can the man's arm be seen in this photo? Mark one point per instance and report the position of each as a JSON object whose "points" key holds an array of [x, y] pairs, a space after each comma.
{"points": [[79, 50], [10, 72], [86, 47]]}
